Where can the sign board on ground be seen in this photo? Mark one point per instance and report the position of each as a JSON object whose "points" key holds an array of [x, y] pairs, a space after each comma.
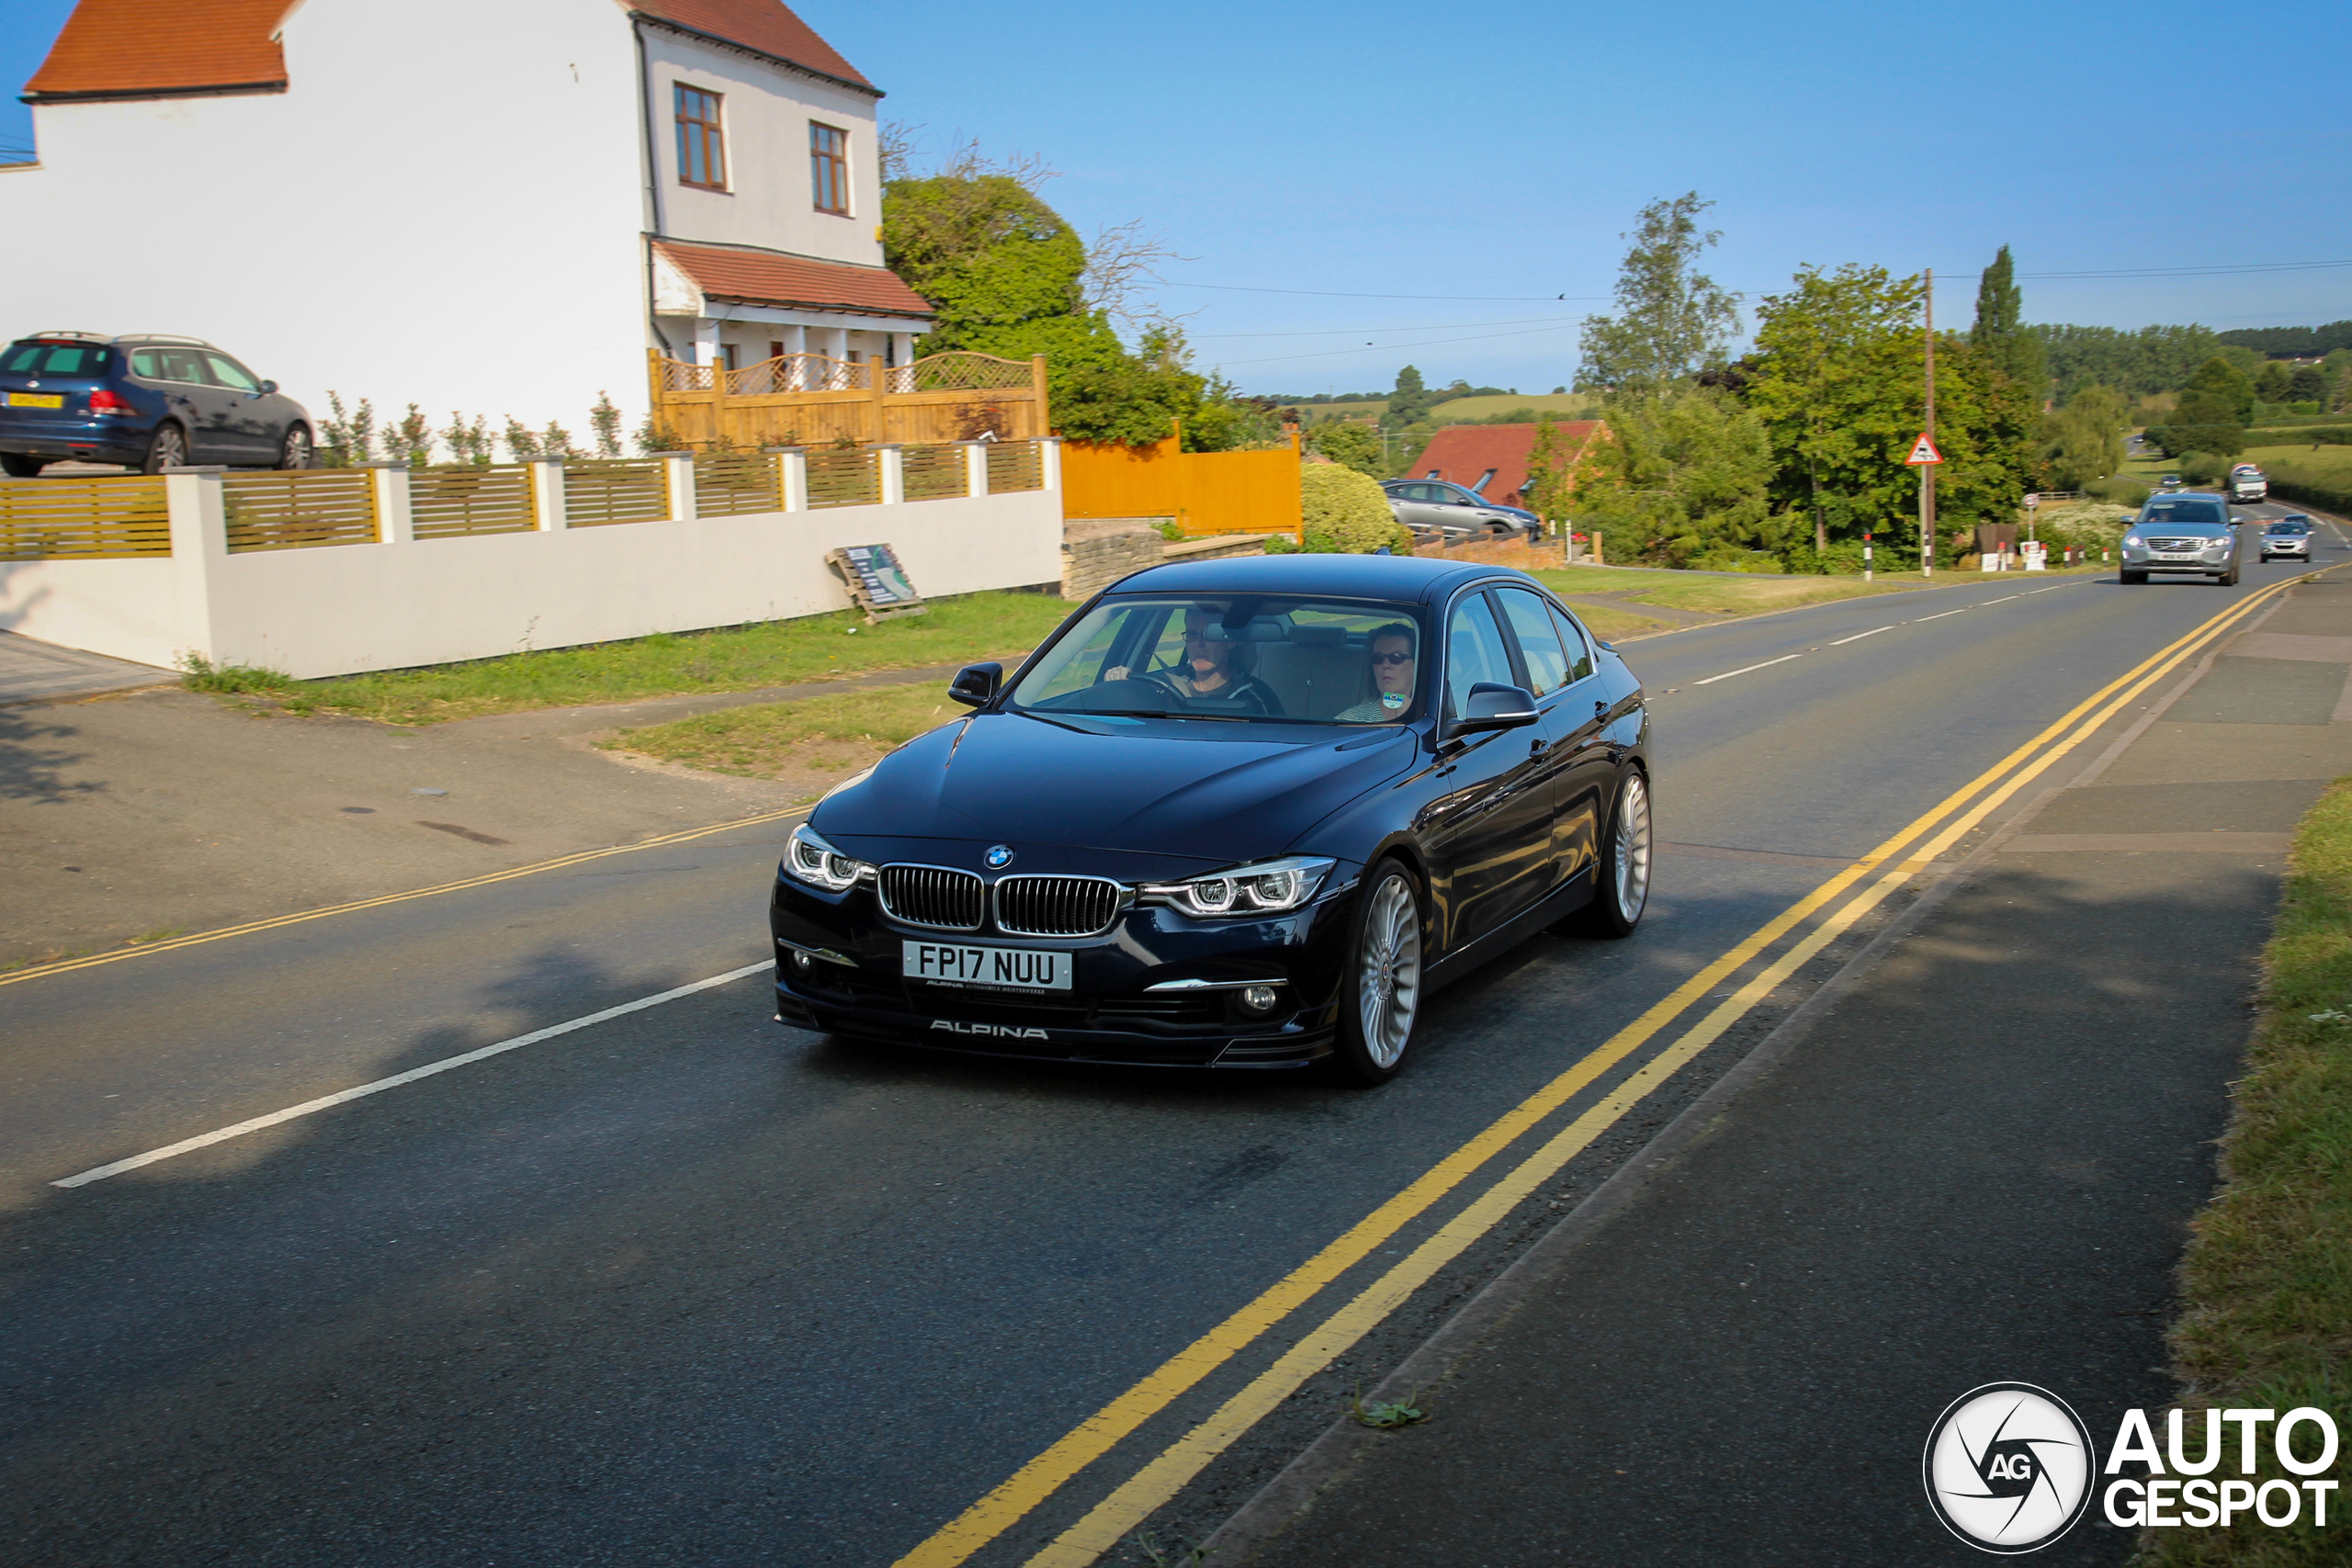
{"points": [[875, 580], [1923, 451]]}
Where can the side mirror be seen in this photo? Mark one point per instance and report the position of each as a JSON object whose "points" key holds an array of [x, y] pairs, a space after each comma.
{"points": [[975, 684], [268, 387], [1493, 706]]}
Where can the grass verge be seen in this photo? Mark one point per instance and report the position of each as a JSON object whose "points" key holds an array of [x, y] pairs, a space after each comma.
{"points": [[733, 659], [1727, 595], [813, 741], [2267, 1285]]}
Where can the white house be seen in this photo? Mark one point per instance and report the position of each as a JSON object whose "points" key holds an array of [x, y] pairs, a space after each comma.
{"points": [[492, 206]]}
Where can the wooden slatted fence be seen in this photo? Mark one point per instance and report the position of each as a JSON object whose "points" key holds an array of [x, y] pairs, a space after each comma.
{"points": [[83, 519], [299, 509], [845, 477], [1015, 464], [727, 484], [601, 491], [932, 473], [454, 503]]}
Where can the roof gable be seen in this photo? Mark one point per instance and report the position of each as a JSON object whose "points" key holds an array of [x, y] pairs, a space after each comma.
{"points": [[764, 27], [130, 48]]}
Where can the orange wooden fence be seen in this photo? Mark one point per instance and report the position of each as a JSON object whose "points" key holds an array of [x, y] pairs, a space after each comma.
{"points": [[1205, 492]]}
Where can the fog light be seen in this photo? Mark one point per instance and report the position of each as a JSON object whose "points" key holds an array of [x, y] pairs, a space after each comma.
{"points": [[802, 961], [1258, 999]]}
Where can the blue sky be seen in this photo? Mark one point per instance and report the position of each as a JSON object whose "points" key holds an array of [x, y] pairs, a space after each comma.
{"points": [[1486, 159]]}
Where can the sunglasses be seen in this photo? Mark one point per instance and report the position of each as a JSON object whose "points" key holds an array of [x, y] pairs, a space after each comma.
{"points": [[1392, 659]]}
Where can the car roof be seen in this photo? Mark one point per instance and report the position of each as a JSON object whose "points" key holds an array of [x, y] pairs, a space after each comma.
{"points": [[1410, 577]]}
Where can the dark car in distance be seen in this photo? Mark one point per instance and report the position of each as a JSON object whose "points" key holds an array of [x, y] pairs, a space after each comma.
{"points": [[146, 400], [1242, 813]]}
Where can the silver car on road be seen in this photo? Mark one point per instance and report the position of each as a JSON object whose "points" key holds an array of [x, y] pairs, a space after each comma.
{"points": [[2187, 532], [2288, 537]]}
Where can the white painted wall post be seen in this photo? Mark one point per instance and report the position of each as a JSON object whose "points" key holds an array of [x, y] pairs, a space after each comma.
{"points": [[792, 477], [200, 551], [976, 467], [891, 459], [546, 494], [395, 522], [1050, 462], [678, 469]]}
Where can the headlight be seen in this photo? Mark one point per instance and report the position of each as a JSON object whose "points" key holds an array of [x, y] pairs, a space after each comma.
{"points": [[1266, 887], [2134, 542], [819, 864]]}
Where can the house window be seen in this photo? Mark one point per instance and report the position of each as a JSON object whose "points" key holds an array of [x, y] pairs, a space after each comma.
{"points": [[702, 145], [828, 168]]}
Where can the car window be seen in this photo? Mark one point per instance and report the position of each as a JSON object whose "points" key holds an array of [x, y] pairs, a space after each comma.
{"points": [[1420, 492], [2287, 528], [53, 359], [227, 372], [1538, 639], [1576, 641], [180, 365], [2161, 513], [1474, 650]]}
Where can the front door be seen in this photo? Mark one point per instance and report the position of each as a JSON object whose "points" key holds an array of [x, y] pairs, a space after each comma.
{"points": [[1559, 672], [1490, 832], [201, 405], [249, 433]]}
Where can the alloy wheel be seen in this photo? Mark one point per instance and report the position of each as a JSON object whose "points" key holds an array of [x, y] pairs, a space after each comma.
{"points": [[1388, 985], [297, 452], [169, 450], [1632, 870]]}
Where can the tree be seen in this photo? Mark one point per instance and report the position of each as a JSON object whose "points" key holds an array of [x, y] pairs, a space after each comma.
{"points": [[2212, 413], [2270, 383], [1348, 443], [1343, 511], [2307, 385], [1672, 320], [1409, 404], [2083, 442], [2000, 337], [1683, 481]]}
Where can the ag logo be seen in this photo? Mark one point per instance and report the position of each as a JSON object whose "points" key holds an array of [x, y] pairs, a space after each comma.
{"points": [[999, 857], [2009, 1468]]}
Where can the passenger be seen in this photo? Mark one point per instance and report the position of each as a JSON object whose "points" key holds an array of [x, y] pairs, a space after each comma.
{"points": [[1388, 678], [1213, 674]]}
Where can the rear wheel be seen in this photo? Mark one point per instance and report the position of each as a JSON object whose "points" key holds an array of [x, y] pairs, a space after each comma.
{"points": [[296, 451], [2135, 577], [167, 448], [1382, 993], [1624, 891], [20, 465]]}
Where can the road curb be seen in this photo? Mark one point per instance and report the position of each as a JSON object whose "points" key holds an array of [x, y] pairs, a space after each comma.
{"points": [[1292, 1493]]}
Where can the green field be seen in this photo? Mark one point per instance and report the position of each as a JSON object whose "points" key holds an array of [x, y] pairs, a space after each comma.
{"points": [[1559, 405], [2327, 465]]}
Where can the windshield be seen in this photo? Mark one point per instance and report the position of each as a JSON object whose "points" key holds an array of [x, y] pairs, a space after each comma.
{"points": [[2287, 528], [2170, 513], [1248, 658]]}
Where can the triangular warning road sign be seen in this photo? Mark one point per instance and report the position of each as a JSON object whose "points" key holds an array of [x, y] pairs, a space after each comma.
{"points": [[1923, 451]]}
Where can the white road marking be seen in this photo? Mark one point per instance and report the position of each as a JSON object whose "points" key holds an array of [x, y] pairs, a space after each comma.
{"points": [[1859, 636], [1729, 673], [2052, 589], [443, 1066], [1961, 611], [2003, 599]]}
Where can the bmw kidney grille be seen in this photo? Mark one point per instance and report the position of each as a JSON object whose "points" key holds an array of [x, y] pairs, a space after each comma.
{"points": [[1055, 906], [934, 896]]}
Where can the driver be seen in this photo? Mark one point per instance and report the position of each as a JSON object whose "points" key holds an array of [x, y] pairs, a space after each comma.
{"points": [[1388, 677], [1213, 673]]}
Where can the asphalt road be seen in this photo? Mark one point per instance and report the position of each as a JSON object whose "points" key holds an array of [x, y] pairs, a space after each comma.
{"points": [[682, 1287]]}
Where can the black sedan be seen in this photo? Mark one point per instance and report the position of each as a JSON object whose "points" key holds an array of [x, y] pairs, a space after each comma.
{"points": [[1242, 813]]}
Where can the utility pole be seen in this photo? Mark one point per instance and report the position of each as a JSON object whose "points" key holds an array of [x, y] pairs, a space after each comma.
{"points": [[1928, 470]]}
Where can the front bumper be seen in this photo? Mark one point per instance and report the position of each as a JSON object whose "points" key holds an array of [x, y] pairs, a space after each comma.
{"points": [[2207, 563], [839, 961]]}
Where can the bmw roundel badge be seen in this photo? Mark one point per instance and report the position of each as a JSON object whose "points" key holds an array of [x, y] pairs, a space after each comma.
{"points": [[999, 857]]}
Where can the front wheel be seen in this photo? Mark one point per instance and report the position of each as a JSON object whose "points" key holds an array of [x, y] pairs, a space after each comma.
{"points": [[296, 451], [1624, 892], [1382, 995], [2228, 578]]}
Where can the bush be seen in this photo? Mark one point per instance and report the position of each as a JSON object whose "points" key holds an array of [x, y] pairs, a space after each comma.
{"points": [[1348, 509], [2120, 491], [2301, 435], [2203, 468], [2304, 492]]}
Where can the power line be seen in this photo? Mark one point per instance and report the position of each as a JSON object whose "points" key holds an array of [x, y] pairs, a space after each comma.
{"points": [[1439, 327], [1389, 347]]}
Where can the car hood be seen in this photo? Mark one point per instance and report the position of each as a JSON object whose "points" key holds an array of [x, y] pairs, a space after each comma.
{"points": [[1230, 793]]}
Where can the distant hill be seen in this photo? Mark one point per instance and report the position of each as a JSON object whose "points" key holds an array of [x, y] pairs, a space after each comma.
{"points": [[2292, 343], [1454, 411]]}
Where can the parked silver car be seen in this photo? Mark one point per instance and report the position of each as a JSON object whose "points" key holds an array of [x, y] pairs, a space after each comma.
{"points": [[2288, 537], [1432, 508], [2184, 531]]}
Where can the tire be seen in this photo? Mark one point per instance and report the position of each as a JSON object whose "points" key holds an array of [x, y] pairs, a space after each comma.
{"points": [[2228, 578], [20, 465], [1623, 893], [1380, 998], [294, 452], [166, 448], [2132, 579]]}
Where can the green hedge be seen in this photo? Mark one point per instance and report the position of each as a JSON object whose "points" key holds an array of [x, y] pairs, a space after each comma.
{"points": [[2327, 498], [2300, 435]]}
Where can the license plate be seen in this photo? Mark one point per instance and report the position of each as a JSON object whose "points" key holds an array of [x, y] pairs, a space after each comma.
{"points": [[996, 968], [35, 400], [2179, 555]]}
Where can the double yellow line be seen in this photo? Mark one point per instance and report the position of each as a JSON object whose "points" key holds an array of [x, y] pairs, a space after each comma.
{"points": [[1159, 1481]]}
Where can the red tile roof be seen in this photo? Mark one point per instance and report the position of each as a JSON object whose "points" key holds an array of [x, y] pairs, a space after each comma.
{"points": [[164, 47], [149, 47], [765, 25], [1463, 453], [771, 277]]}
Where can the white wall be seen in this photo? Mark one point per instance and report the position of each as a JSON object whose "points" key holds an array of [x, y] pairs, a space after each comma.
{"points": [[444, 208], [334, 610], [771, 197]]}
